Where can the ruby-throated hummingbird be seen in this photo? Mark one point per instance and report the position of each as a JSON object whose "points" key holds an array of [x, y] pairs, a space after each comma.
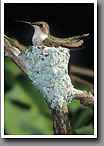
{"points": [[42, 36]]}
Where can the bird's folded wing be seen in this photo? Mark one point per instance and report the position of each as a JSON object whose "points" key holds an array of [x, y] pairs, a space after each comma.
{"points": [[57, 44]]}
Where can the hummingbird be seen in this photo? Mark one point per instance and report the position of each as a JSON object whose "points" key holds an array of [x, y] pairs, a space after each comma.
{"points": [[42, 36]]}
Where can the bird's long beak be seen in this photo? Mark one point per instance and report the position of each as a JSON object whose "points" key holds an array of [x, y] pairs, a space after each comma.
{"points": [[24, 22]]}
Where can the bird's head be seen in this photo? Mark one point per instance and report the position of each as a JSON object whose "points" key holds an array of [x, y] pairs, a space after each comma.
{"points": [[43, 26]]}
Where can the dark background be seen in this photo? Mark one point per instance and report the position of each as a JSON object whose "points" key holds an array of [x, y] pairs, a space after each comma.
{"points": [[65, 20]]}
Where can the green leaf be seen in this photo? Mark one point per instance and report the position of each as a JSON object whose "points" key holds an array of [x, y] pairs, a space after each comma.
{"points": [[81, 116], [11, 67], [11, 72], [74, 105], [36, 96], [85, 130], [20, 120]]}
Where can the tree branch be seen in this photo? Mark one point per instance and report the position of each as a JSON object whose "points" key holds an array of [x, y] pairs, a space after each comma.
{"points": [[60, 114], [61, 122], [18, 57], [86, 98]]}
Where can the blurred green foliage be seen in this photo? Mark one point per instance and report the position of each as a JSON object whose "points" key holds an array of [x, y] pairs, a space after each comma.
{"points": [[26, 112]]}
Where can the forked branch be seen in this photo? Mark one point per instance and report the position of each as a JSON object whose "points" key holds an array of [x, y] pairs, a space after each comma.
{"points": [[60, 114]]}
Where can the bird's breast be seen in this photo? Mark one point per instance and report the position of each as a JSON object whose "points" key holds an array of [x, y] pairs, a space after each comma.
{"points": [[38, 39]]}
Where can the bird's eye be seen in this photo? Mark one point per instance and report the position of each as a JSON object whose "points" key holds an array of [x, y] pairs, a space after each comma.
{"points": [[40, 25]]}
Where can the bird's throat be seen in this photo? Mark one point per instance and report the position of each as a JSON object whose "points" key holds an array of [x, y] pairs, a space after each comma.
{"points": [[38, 37]]}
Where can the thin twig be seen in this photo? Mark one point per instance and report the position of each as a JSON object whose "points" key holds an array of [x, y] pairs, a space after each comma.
{"points": [[80, 70], [82, 81]]}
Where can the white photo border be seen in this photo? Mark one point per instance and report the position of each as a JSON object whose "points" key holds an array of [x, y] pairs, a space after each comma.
{"points": [[95, 69]]}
